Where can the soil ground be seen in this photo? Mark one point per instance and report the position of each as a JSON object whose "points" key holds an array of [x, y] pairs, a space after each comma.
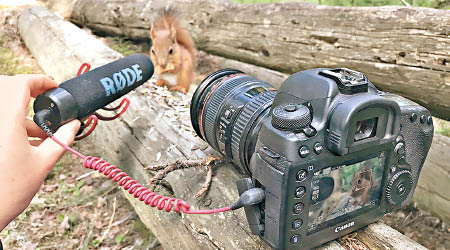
{"points": [[76, 209]]}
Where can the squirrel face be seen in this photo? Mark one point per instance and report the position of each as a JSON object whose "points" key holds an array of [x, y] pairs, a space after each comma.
{"points": [[164, 51], [361, 185]]}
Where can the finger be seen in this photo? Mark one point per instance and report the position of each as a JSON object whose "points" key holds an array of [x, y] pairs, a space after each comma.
{"points": [[27, 86], [35, 143], [49, 151], [33, 130], [38, 84]]}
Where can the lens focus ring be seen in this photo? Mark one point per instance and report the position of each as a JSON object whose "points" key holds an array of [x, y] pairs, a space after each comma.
{"points": [[249, 114], [213, 105]]}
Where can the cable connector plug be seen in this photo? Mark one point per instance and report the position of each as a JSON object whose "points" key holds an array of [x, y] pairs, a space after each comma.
{"points": [[250, 197], [40, 118]]}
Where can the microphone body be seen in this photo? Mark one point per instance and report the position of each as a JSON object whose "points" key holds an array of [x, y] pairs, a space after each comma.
{"points": [[81, 96]]}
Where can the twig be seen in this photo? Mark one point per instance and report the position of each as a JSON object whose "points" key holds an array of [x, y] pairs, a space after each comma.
{"points": [[121, 221], [110, 221], [154, 244], [350, 242], [207, 183], [406, 218], [165, 169], [85, 175], [405, 3], [85, 243], [177, 164]]}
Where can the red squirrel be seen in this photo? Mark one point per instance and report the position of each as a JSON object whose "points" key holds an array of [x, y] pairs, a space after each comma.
{"points": [[362, 185], [173, 53]]}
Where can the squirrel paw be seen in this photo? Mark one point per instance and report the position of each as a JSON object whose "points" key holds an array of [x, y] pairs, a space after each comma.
{"points": [[159, 82], [179, 89]]}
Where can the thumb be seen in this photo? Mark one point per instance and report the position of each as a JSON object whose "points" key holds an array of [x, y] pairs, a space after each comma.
{"points": [[49, 151]]}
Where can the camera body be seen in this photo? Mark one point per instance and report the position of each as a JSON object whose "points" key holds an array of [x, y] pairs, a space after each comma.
{"points": [[331, 152]]}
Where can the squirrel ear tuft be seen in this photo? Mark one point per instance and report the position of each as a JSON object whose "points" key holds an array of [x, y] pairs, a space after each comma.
{"points": [[173, 34], [152, 32]]}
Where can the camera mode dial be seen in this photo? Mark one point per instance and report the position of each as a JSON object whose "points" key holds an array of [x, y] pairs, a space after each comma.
{"points": [[399, 187], [291, 117]]}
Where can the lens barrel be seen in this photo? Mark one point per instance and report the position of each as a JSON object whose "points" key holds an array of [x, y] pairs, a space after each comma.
{"points": [[227, 111]]}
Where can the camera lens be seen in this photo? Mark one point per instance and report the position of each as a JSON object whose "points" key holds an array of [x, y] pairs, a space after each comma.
{"points": [[366, 129], [227, 111]]}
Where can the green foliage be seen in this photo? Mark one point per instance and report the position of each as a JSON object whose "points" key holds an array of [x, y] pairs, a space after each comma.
{"points": [[60, 217], [123, 46], [441, 127], [420, 3], [5, 232], [9, 64], [120, 238], [75, 190]]}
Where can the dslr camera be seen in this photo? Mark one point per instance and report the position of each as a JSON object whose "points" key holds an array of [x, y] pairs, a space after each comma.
{"points": [[331, 152]]}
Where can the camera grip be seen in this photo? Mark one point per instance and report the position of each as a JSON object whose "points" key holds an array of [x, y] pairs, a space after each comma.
{"points": [[417, 131]]}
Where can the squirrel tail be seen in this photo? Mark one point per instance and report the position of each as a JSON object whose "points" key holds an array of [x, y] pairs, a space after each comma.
{"points": [[167, 19]]}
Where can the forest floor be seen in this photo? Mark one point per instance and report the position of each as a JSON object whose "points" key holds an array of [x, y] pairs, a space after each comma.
{"points": [[77, 209]]}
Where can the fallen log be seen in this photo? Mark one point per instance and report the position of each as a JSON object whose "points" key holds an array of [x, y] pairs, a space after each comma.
{"points": [[156, 129], [403, 50], [432, 191]]}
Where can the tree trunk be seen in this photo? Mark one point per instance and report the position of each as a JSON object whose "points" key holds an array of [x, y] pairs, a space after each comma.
{"points": [[153, 132], [403, 50]]}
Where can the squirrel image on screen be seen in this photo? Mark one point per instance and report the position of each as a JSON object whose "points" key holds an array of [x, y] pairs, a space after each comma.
{"points": [[173, 52], [362, 184]]}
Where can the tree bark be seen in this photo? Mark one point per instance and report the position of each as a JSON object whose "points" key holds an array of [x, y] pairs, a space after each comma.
{"points": [[403, 50], [153, 132], [432, 191]]}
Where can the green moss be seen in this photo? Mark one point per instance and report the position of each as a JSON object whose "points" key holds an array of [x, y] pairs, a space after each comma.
{"points": [[123, 46], [9, 65]]}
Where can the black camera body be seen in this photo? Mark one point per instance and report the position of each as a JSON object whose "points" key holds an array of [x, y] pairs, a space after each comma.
{"points": [[331, 152]]}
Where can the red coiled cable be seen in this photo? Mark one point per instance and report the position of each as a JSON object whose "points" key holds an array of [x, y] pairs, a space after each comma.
{"points": [[133, 187]]}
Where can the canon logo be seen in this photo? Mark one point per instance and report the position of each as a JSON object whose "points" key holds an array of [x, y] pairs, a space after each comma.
{"points": [[343, 227], [120, 80]]}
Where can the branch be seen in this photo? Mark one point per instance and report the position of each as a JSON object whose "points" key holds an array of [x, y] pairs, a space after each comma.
{"points": [[405, 3]]}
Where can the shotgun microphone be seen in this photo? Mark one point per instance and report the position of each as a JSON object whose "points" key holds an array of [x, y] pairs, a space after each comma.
{"points": [[81, 96]]}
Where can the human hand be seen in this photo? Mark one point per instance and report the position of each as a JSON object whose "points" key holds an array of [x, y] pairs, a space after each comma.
{"points": [[24, 163]]}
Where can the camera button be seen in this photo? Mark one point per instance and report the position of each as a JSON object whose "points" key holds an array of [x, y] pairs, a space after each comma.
{"points": [[422, 119], [290, 108], [393, 168], [303, 151], [300, 192], [297, 224], [298, 208], [399, 139], [400, 149], [309, 131], [301, 175], [228, 114], [413, 117], [318, 148], [295, 239]]}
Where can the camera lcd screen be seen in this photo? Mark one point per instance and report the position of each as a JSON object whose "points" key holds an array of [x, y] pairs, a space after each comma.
{"points": [[342, 192]]}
